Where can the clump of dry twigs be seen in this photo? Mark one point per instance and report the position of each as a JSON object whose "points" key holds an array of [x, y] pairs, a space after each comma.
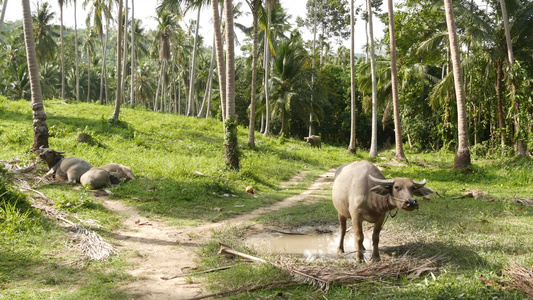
{"points": [[521, 278], [92, 245]]}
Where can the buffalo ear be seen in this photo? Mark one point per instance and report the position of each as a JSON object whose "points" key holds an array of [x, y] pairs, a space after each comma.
{"points": [[381, 190], [423, 191]]}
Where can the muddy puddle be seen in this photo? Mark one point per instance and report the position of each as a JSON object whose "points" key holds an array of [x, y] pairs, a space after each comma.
{"points": [[308, 244]]}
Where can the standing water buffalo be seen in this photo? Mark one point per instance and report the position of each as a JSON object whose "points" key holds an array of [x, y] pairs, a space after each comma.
{"points": [[65, 168], [314, 141], [361, 193]]}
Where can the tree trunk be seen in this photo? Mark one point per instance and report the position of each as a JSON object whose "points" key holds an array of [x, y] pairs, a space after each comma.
{"points": [[77, 53], [394, 78], [118, 100], [230, 124], [462, 158], [193, 65], [520, 149], [352, 146], [125, 54], [221, 68], [89, 76], [499, 105], [374, 139], [3, 15], [40, 128], [310, 132], [103, 70], [62, 52], [208, 86], [251, 125], [132, 59]]}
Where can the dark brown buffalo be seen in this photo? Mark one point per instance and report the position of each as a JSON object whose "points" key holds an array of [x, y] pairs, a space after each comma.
{"points": [[361, 193]]}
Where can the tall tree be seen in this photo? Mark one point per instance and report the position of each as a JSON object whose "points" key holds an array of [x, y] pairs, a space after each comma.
{"points": [[269, 5], [76, 50], [462, 158], [118, 100], [3, 14], [132, 53], [352, 146], [40, 128], [255, 6], [520, 149], [374, 139], [61, 5], [88, 44], [45, 34], [230, 124], [394, 80], [221, 66]]}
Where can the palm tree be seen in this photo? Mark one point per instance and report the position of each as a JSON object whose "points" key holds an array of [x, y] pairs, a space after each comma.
{"points": [[40, 128], [255, 6], [45, 35], [352, 146], [192, 72], [118, 100], [76, 50], [100, 12], [61, 4], [290, 79], [462, 158], [221, 67], [269, 5], [374, 140], [3, 14], [89, 48], [132, 57], [167, 25], [394, 80], [230, 124]]}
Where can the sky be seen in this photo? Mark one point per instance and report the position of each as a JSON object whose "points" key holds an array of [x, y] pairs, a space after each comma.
{"points": [[145, 10]]}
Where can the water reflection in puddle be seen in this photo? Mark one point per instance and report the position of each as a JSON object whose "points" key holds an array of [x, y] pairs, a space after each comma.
{"points": [[309, 245]]}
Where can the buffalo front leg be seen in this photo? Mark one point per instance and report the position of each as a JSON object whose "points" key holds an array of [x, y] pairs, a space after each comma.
{"points": [[357, 225], [342, 222], [375, 239]]}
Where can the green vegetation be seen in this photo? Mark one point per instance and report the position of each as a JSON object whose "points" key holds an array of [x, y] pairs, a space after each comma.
{"points": [[179, 162]]}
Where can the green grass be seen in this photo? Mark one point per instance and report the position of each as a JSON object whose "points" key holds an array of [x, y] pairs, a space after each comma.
{"points": [[168, 152]]}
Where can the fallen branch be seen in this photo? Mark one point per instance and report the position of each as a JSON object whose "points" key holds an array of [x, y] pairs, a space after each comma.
{"points": [[197, 273], [245, 289], [228, 250]]}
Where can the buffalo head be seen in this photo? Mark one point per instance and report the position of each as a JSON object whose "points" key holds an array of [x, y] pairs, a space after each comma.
{"points": [[401, 191]]}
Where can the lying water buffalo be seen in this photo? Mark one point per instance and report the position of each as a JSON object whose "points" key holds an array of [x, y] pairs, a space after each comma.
{"points": [[65, 168], [314, 141], [361, 193], [119, 171], [98, 178]]}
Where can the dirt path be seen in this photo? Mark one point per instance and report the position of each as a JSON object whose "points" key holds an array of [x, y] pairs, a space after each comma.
{"points": [[157, 250]]}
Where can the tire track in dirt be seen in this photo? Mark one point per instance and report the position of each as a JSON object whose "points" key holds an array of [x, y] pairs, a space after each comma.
{"points": [[157, 250]]}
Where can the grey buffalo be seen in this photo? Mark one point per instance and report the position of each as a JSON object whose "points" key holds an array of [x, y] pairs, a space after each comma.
{"points": [[98, 178], [64, 168], [119, 171], [361, 193], [313, 141]]}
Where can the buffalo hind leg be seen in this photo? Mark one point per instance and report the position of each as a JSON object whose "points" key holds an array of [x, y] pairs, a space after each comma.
{"points": [[342, 221], [375, 239]]}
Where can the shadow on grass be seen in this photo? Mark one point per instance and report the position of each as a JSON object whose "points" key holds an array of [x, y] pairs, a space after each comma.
{"points": [[459, 256]]}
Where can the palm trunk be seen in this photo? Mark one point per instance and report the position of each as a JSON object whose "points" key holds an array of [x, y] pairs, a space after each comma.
{"points": [[102, 73], [193, 65], [207, 93], [499, 104], [230, 124], [220, 58], [251, 125], [313, 66], [118, 100], [3, 14], [40, 128], [62, 54], [374, 139], [89, 76], [462, 158], [132, 59], [266, 62], [394, 78], [352, 146], [125, 54], [77, 53]]}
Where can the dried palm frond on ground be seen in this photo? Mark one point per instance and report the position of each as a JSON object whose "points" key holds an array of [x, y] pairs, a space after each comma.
{"points": [[524, 201], [521, 278], [92, 245]]}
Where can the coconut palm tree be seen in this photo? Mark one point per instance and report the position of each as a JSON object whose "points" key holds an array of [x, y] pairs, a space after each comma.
{"points": [[394, 80], [462, 158], [61, 4], [374, 139], [40, 128], [45, 35], [3, 14], [88, 44], [118, 99], [352, 146], [221, 67], [167, 26], [255, 6]]}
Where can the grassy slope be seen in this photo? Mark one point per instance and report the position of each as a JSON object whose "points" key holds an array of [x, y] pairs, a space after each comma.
{"points": [[479, 237]]}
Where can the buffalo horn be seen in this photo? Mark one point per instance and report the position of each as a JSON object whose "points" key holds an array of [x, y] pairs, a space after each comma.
{"points": [[60, 152], [419, 184], [41, 148], [385, 182]]}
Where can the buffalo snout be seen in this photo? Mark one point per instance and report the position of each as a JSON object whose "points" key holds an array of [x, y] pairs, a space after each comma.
{"points": [[410, 204]]}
